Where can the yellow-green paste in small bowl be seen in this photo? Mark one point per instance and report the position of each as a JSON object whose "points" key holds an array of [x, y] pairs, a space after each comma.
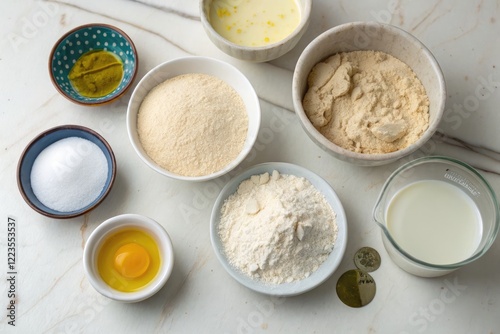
{"points": [[96, 73], [93, 64]]}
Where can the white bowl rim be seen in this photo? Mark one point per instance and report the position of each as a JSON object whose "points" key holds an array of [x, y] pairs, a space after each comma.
{"points": [[304, 22], [375, 157], [115, 224], [251, 137], [326, 269]]}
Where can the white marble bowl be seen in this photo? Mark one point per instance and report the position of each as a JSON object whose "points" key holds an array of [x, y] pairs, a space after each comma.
{"points": [[325, 270], [224, 71], [262, 53], [114, 225], [378, 37]]}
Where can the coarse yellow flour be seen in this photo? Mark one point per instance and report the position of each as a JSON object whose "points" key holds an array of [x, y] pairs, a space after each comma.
{"points": [[192, 124], [367, 102]]}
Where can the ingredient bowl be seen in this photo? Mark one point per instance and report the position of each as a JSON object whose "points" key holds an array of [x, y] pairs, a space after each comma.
{"points": [[323, 272], [451, 217], [370, 36], [231, 77], [112, 227], [67, 165], [99, 77], [269, 50]]}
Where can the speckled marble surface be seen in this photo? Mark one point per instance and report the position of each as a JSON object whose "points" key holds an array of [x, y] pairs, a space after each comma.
{"points": [[52, 293]]}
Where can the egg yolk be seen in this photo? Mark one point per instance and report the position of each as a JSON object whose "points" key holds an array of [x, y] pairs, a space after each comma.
{"points": [[131, 260], [128, 260]]}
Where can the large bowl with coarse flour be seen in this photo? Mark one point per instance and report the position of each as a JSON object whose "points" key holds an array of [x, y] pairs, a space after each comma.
{"points": [[324, 271], [195, 65], [371, 36]]}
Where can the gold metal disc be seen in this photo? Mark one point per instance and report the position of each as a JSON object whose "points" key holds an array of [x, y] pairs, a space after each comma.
{"points": [[356, 288]]}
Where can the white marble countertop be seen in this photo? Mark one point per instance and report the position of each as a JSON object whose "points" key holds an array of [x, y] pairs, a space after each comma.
{"points": [[52, 292]]}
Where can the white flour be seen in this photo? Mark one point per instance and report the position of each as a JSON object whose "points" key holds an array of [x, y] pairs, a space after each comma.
{"points": [[277, 228]]}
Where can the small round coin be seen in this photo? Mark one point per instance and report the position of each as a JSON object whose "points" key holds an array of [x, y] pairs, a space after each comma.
{"points": [[367, 259], [356, 288]]}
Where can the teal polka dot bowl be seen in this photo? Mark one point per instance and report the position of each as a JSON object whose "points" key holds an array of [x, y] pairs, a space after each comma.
{"points": [[92, 37]]}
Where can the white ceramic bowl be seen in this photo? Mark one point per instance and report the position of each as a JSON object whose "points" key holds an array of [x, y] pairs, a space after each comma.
{"points": [[217, 68], [113, 225], [379, 37], [324, 271], [262, 53]]}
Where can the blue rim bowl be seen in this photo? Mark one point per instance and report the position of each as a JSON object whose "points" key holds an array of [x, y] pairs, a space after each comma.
{"points": [[85, 38], [325, 270], [43, 140]]}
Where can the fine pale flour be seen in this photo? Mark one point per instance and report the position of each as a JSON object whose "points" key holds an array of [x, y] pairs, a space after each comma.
{"points": [[193, 124], [277, 228]]}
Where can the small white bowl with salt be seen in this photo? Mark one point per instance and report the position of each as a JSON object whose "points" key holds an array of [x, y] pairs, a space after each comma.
{"points": [[66, 171]]}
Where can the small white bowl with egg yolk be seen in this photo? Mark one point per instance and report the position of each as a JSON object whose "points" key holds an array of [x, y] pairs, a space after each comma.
{"points": [[128, 258]]}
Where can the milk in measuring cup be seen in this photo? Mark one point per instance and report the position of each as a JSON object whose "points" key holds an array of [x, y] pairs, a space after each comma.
{"points": [[434, 222]]}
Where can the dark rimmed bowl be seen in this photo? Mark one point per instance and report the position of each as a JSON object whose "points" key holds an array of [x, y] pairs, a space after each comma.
{"points": [[43, 140], [85, 38]]}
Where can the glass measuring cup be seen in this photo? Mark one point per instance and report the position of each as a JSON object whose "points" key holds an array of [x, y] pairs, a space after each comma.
{"points": [[455, 173]]}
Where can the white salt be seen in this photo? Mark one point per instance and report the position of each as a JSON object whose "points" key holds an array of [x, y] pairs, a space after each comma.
{"points": [[69, 174]]}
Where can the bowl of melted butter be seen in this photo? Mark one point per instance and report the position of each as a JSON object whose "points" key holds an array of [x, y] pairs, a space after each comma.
{"points": [[258, 30]]}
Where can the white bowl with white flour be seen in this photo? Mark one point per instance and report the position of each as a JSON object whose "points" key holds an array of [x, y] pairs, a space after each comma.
{"points": [[193, 118], [279, 229]]}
